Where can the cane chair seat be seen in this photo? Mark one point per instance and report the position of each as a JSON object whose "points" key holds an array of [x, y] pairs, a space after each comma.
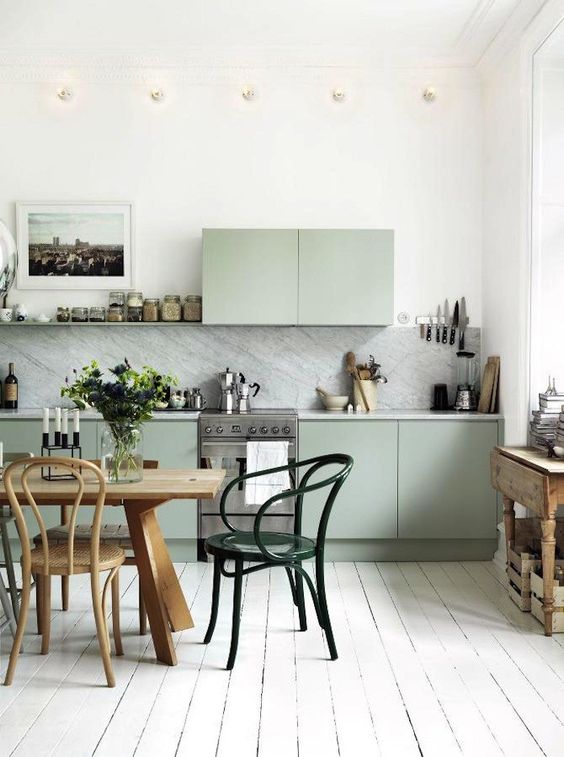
{"points": [[110, 557], [110, 533]]}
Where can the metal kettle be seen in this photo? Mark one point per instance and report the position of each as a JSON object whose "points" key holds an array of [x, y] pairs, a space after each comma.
{"points": [[244, 393]]}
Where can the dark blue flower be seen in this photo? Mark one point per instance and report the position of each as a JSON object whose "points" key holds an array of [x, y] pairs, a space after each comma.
{"points": [[119, 370]]}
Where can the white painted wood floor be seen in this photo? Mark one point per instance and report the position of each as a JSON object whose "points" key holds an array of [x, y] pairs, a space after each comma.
{"points": [[435, 659]]}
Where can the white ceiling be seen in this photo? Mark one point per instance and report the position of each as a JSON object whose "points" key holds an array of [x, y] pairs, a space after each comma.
{"points": [[445, 32]]}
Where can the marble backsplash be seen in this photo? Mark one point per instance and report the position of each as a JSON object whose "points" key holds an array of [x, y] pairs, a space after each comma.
{"points": [[287, 362]]}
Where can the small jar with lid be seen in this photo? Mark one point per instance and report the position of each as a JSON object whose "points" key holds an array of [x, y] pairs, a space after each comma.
{"points": [[134, 314], [63, 314], [172, 308], [135, 299], [151, 309], [97, 314], [116, 313], [79, 315], [116, 299], [192, 310]]}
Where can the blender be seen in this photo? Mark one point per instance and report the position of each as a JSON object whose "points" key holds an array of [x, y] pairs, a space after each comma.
{"points": [[466, 372]]}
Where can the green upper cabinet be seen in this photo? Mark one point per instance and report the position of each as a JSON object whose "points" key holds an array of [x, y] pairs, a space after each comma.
{"points": [[444, 489], [250, 276], [366, 507], [346, 277]]}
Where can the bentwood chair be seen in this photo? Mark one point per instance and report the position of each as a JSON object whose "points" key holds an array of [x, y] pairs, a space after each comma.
{"points": [[9, 596], [111, 533], [271, 549], [67, 559]]}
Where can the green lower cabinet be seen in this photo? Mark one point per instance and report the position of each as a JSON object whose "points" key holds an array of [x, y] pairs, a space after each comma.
{"points": [[175, 445], [366, 507], [444, 489], [25, 436]]}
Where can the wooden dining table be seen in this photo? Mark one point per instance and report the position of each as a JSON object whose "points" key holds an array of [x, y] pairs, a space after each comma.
{"points": [[165, 603]]}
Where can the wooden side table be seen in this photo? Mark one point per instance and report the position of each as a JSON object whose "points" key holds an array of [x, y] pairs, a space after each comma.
{"points": [[528, 476]]}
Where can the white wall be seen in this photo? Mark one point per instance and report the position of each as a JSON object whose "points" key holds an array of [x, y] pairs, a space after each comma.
{"points": [[384, 158]]}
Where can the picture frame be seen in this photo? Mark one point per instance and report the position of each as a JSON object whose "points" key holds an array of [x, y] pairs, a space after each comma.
{"points": [[75, 245]]}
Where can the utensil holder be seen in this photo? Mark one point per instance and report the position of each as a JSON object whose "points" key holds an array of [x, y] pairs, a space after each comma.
{"points": [[369, 392]]}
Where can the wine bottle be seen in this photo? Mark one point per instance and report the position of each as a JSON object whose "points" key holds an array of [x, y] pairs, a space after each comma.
{"points": [[11, 390]]}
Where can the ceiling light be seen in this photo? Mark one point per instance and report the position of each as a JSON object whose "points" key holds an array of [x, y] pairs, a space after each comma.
{"points": [[338, 95], [429, 94], [158, 95], [64, 93], [248, 93]]}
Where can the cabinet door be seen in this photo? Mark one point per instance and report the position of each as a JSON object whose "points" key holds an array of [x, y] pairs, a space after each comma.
{"points": [[346, 277], [366, 507], [25, 436], [444, 489], [250, 276], [175, 445]]}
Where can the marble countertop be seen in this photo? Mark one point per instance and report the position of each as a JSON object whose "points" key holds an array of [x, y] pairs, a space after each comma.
{"points": [[304, 415]]}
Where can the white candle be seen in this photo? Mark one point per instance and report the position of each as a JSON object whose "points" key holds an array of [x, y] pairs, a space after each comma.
{"points": [[76, 420], [58, 419], [45, 420], [65, 421], [1, 454]]}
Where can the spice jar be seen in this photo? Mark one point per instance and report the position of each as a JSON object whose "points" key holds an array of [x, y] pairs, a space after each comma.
{"points": [[63, 314], [134, 314], [116, 313], [79, 315], [172, 308], [151, 310], [116, 298], [97, 314], [192, 308], [135, 299]]}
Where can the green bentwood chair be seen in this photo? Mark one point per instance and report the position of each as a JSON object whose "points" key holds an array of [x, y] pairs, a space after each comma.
{"points": [[278, 549]]}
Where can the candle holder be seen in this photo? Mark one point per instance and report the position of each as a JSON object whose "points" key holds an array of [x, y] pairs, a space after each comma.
{"points": [[73, 451]]}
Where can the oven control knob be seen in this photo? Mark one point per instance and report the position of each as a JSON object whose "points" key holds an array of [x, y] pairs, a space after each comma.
{"points": [[219, 429], [252, 429], [286, 430], [275, 429], [207, 430], [264, 429]]}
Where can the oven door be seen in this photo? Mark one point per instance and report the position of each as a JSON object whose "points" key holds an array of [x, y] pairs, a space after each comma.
{"points": [[231, 456]]}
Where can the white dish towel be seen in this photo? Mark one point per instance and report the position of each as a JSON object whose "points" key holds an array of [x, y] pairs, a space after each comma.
{"points": [[261, 456]]}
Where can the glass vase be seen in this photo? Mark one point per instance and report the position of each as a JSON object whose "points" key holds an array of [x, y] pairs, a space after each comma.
{"points": [[122, 452]]}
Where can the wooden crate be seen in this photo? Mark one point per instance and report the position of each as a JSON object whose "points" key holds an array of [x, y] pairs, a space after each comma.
{"points": [[519, 568], [537, 593]]}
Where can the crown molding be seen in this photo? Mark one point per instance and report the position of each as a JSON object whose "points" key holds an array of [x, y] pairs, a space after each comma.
{"points": [[205, 65]]}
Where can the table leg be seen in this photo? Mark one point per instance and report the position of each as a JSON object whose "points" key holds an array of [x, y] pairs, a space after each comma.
{"points": [[548, 553], [509, 523], [164, 600]]}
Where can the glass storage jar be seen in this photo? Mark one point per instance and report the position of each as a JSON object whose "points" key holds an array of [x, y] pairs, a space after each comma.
{"points": [[97, 314], [192, 308], [172, 308], [134, 314], [79, 315], [63, 314], [116, 298], [116, 313], [135, 299], [151, 310]]}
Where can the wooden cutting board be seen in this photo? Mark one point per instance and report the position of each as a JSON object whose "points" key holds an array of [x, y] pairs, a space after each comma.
{"points": [[488, 397]]}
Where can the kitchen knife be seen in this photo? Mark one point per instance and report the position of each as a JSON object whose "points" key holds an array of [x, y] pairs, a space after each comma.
{"points": [[454, 324], [445, 327], [429, 328], [438, 334], [463, 320]]}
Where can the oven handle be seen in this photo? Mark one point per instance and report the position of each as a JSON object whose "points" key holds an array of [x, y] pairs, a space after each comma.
{"points": [[230, 446]]}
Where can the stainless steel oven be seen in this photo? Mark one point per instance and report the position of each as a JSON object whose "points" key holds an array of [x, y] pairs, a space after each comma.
{"points": [[223, 444]]}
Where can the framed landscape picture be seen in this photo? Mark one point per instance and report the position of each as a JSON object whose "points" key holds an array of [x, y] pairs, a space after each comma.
{"points": [[85, 245]]}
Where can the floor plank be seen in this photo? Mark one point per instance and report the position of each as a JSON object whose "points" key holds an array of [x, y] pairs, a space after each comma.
{"points": [[434, 659]]}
